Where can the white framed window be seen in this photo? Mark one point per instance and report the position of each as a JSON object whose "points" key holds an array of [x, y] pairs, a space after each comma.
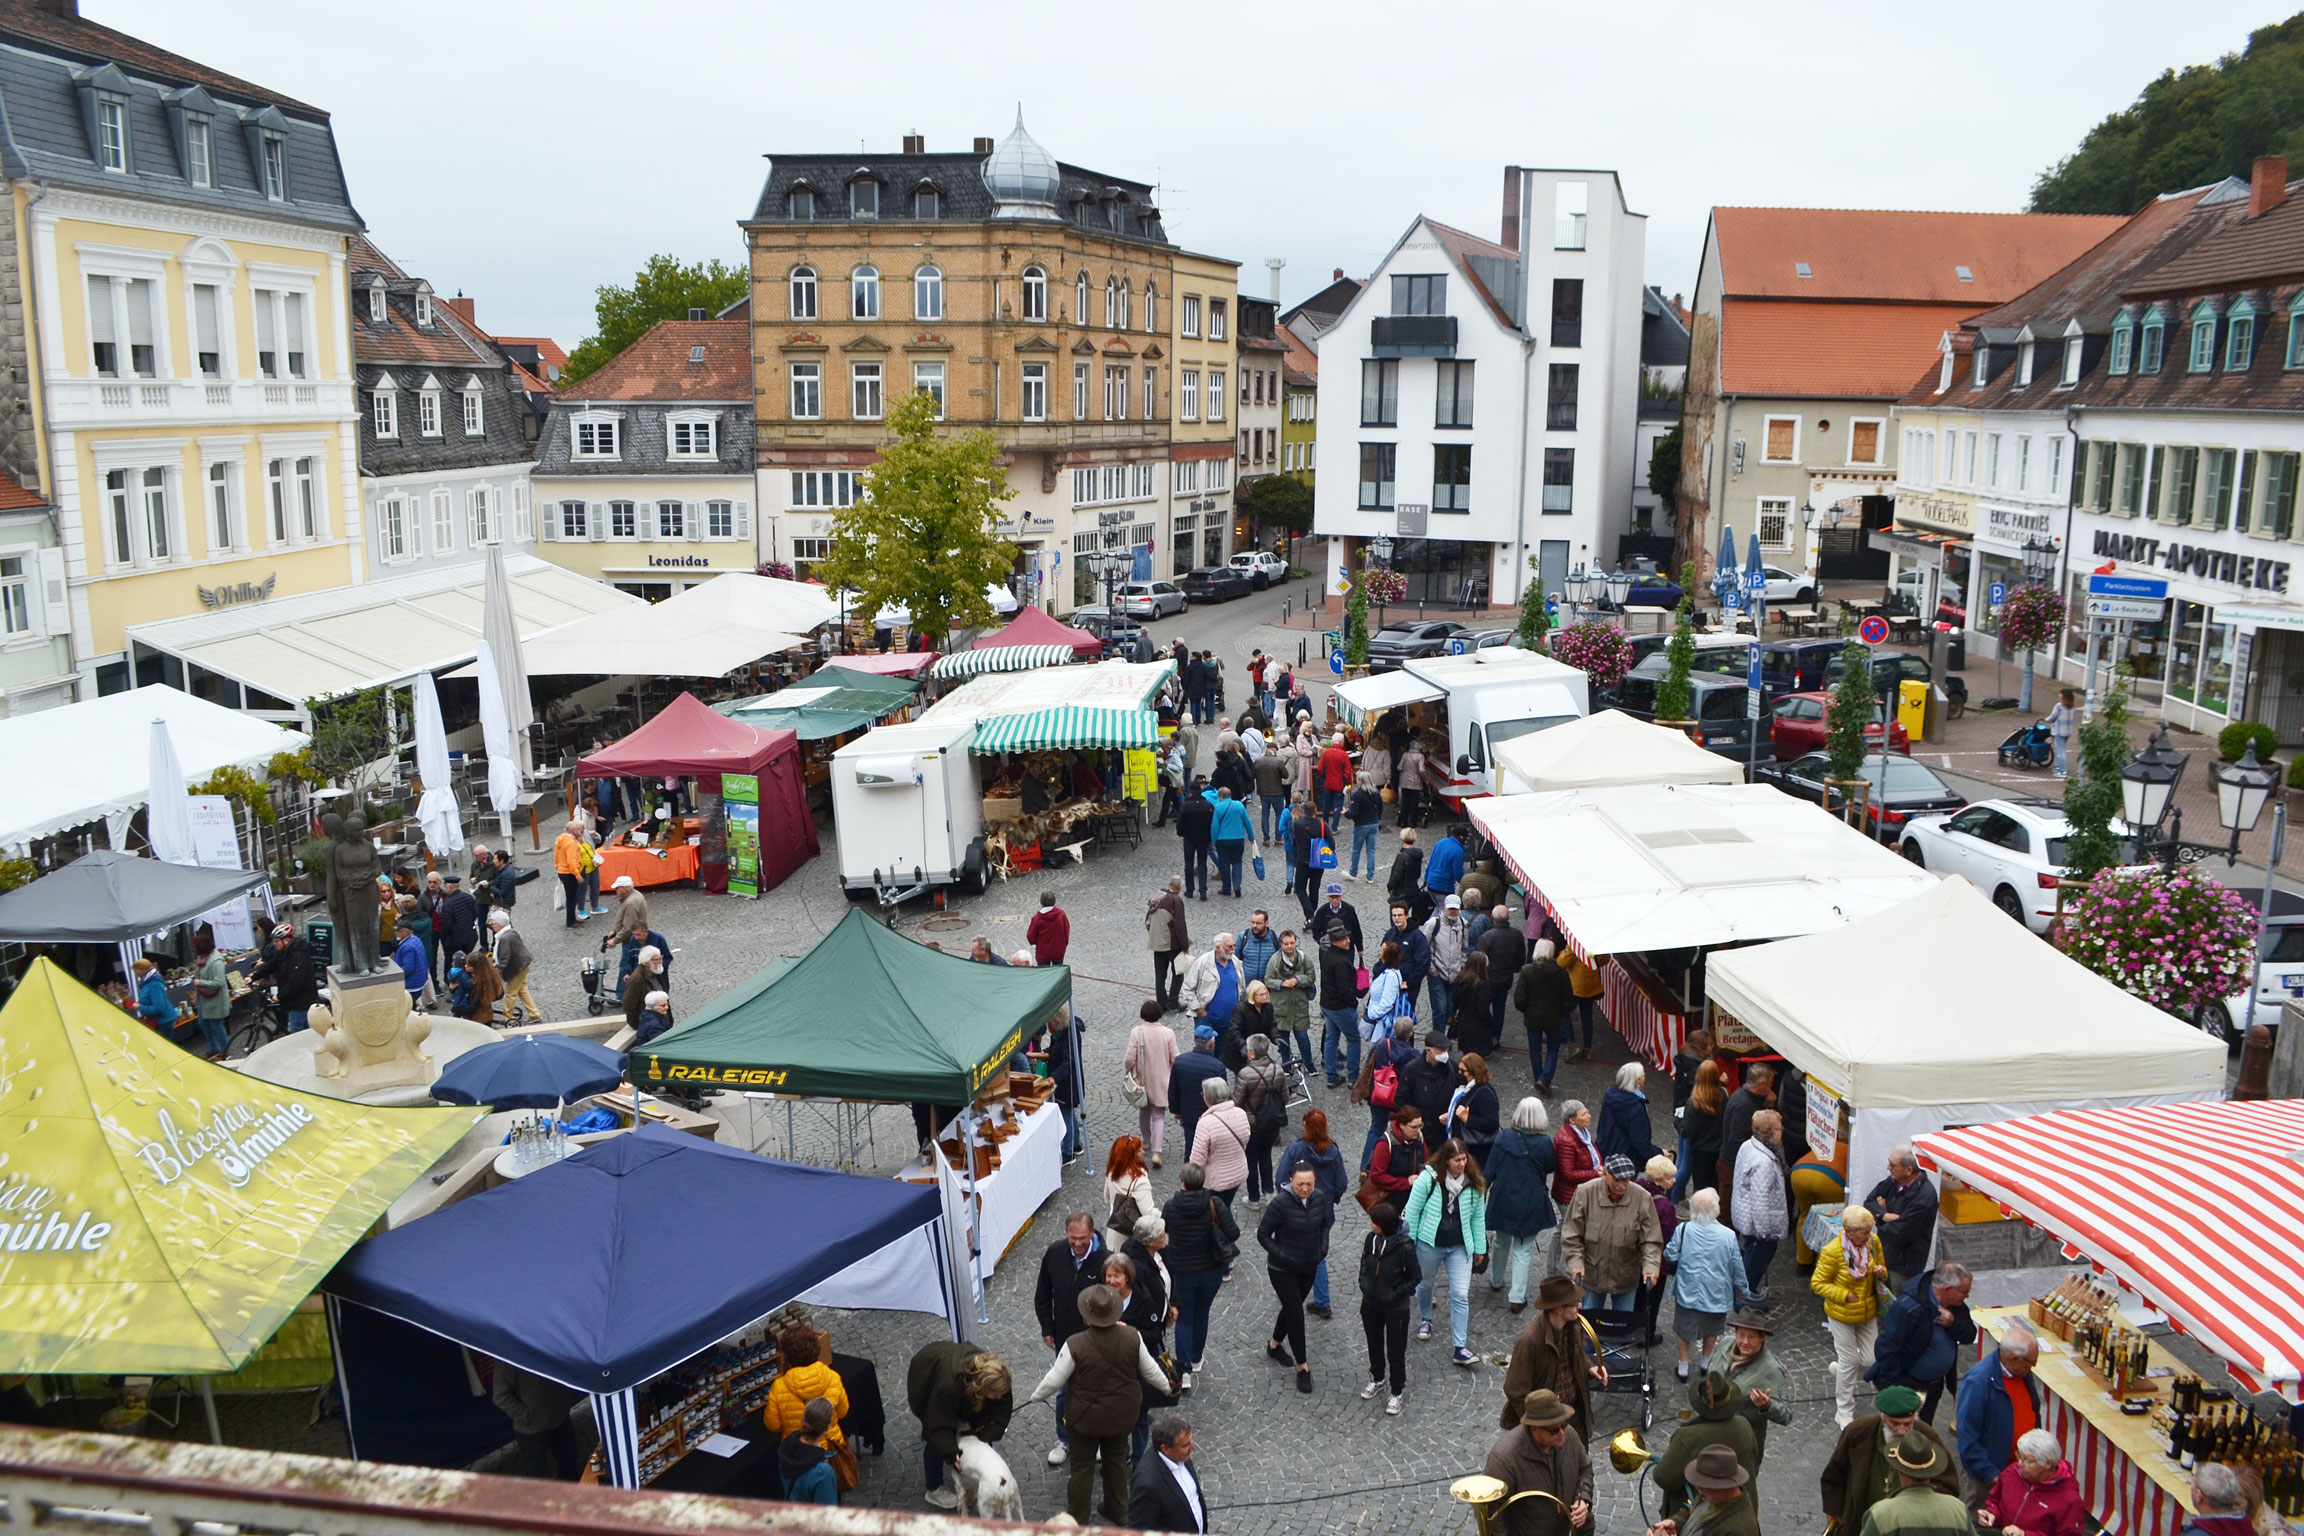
{"points": [[207, 330], [443, 523], [281, 317], [1184, 477], [310, 518], [392, 527], [1035, 399], [928, 294], [428, 412], [1780, 440], [597, 437], [823, 487], [1151, 307], [424, 307], [1215, 390], [864, 294], [112, 135], [695, 437], [1992, 459], [485, 516], [1190, 322], [1865, 437], [384, 412], [1216, 326], [807, 391], [928, 379], [522, 526], [1079, 391], [623, 520], [1113, 319], [1967, 458], [800, 203], [719, 519], [2023, 463], [157, 524], [1124, 299], [575, 521], [1219, 474], [802, 287], [864, 198], [671, 520], [1151, 392], [2024, 365], [15, 595], [1188, 393], [927, 203], [1035, 294], [2071, 374], [864, 400], [199, 163], [275, 168], [123, 342], [376, 304], [223, 507], [805, 554], [1775, 522], [2056, 465], [475, 414], [1080, 299], [1951, 475]]}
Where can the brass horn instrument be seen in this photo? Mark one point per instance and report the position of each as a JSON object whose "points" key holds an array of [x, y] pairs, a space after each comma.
{"points": [[1486, 1496], [1628, 1452]]}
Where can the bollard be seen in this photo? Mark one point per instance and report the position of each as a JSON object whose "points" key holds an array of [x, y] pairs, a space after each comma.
{"points": [[2255, 1065], [1299, 653]]}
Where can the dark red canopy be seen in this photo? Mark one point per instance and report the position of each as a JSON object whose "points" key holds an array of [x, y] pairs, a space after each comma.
{"points": [[1033, 627], [689, 740]]}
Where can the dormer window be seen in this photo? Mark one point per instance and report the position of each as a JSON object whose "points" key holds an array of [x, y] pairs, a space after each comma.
{"points": [[1982, 374], [475, 408], [112, 135], [2024, 363], [595, 437], [2295, 358], [2240, 337], [927, 203], [2073, 340], [199, 159], [424, 307], [2152, 351], [104, 114], [1944, 374], [267, 135], [384, 407], [2203, 355], [191, 116], [694, 437], [275, 169], [2123, 350], [863, 198], [800, 203], [428, 407], [376, 304]]}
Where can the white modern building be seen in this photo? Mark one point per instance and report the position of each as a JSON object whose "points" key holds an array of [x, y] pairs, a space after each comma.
{"points": [[1492, 413]]}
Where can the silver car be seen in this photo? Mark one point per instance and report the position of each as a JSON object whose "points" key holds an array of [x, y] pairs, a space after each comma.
{"points": [[1150, 599]]}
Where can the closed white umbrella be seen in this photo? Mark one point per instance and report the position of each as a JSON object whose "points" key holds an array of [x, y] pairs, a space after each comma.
{"points": [[167, 804], [496, 733], [436, 811], [500, 627]]}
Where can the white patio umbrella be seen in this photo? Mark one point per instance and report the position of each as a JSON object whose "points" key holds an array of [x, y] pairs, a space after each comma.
{"points": [[436, 811], [500, 627], [496, 734], [167, 804]]}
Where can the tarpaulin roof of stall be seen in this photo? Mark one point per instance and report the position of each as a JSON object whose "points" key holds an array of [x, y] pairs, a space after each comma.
{"points": [[1000, 658], [686, 737], [104, 897], [830, 702], [1107, 704], [1033, 627]]}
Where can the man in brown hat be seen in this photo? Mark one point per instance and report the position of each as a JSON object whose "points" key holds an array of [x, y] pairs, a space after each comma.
{"points": [[1103, 1370], [1757, 1377], [1916, 1508], [1544, 1454], [1716, 1423], [1861, 1471], [1722, 1506], [1554, 1352]]}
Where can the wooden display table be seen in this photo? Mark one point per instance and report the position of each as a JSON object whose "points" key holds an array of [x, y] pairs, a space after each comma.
{"points": [[2120, 1461], [648, 866]]}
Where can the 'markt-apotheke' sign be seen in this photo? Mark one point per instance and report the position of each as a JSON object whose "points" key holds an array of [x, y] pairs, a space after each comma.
{"points": [[2204, 562]]}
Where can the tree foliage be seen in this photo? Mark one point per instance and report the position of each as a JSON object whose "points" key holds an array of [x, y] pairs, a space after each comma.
{"points": [[1535, 618], [1851, 710], [1356, 623], [662, 290], [1279, 501], [1664, 470], [2092, 794], [348, 733], [1674, 696], [2189, 127], [924, 534]]}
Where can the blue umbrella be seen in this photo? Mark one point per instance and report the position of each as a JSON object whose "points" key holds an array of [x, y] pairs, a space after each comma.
{"points": [[1724, 578], [529, 1072]]}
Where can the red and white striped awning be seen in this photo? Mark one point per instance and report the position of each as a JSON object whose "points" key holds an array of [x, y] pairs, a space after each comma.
{"points": [[2197, 1208]]}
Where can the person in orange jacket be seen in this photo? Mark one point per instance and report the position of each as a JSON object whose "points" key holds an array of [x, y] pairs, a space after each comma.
{"points": [[1584, 985], [568, 862]]}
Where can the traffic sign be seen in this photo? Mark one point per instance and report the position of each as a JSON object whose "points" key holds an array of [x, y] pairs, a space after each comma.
{"points": [[1873, 631], [2122, 608], [1999, 594], [2143, 588], [1458, 647], [1752, 671], [1336, 661], [1757, 581], [1343, 587]]}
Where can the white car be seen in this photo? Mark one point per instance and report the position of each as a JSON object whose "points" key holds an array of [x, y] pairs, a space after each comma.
{"points": [[1263, 568], [1788, 586], [2011, 850], [2280, 978]]}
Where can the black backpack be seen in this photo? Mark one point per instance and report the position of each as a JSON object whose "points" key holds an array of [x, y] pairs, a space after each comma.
{"points": [[1270, 1111]]}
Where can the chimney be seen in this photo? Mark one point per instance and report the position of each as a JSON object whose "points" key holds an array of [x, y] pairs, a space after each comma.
{"points": [[1511, 237], [983, 146], [698, 314], [1339, 277], [463, 308], [2267, 184], [915, 144]]}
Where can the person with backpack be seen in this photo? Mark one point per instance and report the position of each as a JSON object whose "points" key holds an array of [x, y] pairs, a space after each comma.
{"points": [[1314, 1150], [1399, 1156], [1263, 1092], [1307, 831], [1389, 1276], [1380, 1081], [1520, 1211], [1447, 1215]]}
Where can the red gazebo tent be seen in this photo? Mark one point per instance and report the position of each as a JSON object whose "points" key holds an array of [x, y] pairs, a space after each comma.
{"points": [[1033, 627], [689, 740]]}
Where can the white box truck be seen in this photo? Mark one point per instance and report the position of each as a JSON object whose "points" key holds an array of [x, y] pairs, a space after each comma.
{"points": [[1482, 699], [909, 807]]}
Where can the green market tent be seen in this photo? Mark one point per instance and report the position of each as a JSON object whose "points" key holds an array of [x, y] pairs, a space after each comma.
{"points": [[1000, 658], [1069, 727], [1106, 704], [867, 1014], [832, 701]]}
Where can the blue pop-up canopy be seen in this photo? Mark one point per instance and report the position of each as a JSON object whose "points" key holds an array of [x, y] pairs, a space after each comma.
{"points": [[612, 1267]]}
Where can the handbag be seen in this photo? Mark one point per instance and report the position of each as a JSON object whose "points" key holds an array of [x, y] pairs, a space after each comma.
{"points": [[1137, 1095], [1227, 1248], [1124, 1215], [845, 1472], [1256, 862], [1368, 1195]]}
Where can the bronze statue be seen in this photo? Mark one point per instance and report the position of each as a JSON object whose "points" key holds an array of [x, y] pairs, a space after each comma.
{"points": [[350, 871]]}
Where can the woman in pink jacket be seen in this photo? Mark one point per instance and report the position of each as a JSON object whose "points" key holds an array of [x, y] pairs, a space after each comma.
{"points": [[1151, 1052], [1220, 1142], [2036, 1494], [1307, 759]]}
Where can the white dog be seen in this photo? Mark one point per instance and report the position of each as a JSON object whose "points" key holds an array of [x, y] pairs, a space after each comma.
{"points": [[987, 1488]]}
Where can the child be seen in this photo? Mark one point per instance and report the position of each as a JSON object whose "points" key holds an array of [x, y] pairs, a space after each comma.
{"points": [[802, 1461], [459, 986], [1389, 1275]]}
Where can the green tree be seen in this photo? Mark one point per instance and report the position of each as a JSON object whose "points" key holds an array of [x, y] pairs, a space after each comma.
{"points": [[662, 290], [1279, 502], [1664, 470], [1356, 622], [1850, 711], [1674, 696], [2092, 795], [348, 733], [1535, 618], [924, 534], [2189, 127]]}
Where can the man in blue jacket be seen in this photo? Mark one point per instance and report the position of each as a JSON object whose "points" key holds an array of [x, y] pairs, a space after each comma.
{"points": [[2000, 1403], [1229, 830], [1922, 1336], [1444, 871], [1415, 955]]}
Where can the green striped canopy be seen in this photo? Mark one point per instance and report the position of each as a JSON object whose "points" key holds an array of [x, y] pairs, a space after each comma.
{"points": [[1068, 726], [1000, 658]]}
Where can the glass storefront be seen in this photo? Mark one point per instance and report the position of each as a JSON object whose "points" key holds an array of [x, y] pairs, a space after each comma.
{"points": [[1991, 567], [2199, 670], [1185, 543], [1443, 573]]}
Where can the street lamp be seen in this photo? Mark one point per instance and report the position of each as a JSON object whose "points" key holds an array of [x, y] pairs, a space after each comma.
{"points": [[2039, 559], [2149, 782], [2242, 791], [2148, 789], [1380, 549], [1619, 587], [1578, 585]]}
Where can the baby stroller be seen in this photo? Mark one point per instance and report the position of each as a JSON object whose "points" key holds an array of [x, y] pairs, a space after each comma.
{"points": [[589, 971], [2030, 747]]}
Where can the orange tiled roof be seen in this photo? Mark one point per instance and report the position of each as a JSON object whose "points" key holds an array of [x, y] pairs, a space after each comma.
{"points": [[545, 346], [13, 496], [658, 366], [1829, 350], [1301, 358], [1896, 255]]}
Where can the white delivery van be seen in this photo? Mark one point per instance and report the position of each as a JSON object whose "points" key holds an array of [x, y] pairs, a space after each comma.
{"points": [[1482, 699], [909, 809]]}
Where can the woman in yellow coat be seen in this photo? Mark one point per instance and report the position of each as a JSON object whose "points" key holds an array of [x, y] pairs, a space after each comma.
{"points": [[805, 1375], [1852, 1278]]}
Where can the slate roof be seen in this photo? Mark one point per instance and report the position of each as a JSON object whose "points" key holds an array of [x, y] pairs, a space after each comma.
{"points": [[661, 365], [645, 437], [451, 350], [446, 343], [1663, 331], [1084, 197], [13, 496], [1896, 255], [43, 133], [1328, 303]]}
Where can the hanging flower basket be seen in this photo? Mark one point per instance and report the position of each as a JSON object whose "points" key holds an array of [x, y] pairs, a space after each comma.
{"points": [[2181, 942], [2031, 618], [1599, 650]]}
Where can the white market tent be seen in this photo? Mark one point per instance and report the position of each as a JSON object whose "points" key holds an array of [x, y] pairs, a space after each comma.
{"points": [[1939, 1012], [1641, 867], [649, 640], [91, 761], [1100, 704], [321, 645], [761, 602], [1609, 748]]}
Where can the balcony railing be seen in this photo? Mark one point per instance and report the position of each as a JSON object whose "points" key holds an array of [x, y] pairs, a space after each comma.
{"points": [[1413, 336]]}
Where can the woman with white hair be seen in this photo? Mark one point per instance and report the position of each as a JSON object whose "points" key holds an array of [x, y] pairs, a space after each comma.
{"points": [[1520, 1213], [1624, 1127], [2036, 1494], [1220, 1140], [1709, 1277], [647, 976], [1541, 993]]}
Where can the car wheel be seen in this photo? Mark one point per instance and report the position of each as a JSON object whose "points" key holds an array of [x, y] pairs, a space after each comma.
{"points": [[2216, 1023], [1911, 851], [2009, 902], [1804, 595], [1259, 582]]}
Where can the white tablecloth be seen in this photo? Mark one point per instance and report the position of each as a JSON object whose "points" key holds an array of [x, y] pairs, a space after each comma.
{"points": [[1031, 1169]]}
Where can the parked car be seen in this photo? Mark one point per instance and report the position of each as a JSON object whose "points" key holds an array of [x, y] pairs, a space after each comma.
{"points": [[1910, 789], [2013, 850], [1398, 642], [1717, 656], [1796, 666], [1263, 568], [1216, 584], [1796, 726], [1123, 637], [1888, 669], [1652, 587], [1151, 599], [1788, 586], [2281, 948], [1715, 702], [1485, 639]]}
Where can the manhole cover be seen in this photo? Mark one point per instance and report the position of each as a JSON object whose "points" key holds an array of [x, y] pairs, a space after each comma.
{"points": [[942, 922]]}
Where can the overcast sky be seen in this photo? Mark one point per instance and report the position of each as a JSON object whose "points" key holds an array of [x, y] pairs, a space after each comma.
{"points": [[527, 152]]}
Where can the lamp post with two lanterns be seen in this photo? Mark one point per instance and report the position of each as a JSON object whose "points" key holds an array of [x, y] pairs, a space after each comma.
{"points": [[1380, 550]]}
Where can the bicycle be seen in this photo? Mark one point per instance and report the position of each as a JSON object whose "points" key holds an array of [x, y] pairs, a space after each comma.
{"points": [[267, 1021]]}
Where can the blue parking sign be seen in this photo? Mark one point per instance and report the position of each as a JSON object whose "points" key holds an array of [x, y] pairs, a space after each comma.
{"points": [[1336, 661], [1999, 593], [1457, 647]]}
